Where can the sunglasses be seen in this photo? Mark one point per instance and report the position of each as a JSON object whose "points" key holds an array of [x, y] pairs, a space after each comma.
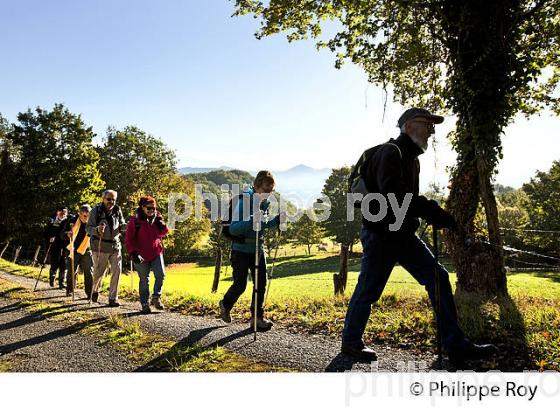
{"points": [[150, 208], [110, 199]]}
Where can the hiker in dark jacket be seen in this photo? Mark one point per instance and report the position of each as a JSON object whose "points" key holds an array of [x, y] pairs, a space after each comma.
{"points": [[144, 245], [56, 243], [75, 227], [394, 168], [243, 250], [105, 225]]}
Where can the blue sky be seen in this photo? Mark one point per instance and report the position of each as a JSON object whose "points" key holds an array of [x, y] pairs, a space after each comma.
{"points": [[187, 72]]}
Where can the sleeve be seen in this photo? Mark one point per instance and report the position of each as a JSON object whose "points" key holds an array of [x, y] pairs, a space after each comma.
{"points": [[240, 227], [389, 179], [129, 237], [91, 227], [64, 229]]}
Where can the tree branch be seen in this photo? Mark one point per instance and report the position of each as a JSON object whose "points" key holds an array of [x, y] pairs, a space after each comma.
{"points": [[529, 13]]}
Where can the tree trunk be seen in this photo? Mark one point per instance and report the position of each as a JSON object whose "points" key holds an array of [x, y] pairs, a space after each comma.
{"points": [[309, 249], [217, 270], [340, 279], [479, 266]]}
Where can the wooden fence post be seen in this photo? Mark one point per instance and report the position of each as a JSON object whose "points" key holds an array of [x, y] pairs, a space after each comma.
{"points": [[4, 250], [18, 250], [36, 255]]}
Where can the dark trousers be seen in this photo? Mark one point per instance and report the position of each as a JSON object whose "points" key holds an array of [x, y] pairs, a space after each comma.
{"points": [[381, 253], [241, 264], [58, 263], [85, 262]]}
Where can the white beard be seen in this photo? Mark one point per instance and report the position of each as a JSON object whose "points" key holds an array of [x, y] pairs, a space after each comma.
{"points": [[422, 144]]}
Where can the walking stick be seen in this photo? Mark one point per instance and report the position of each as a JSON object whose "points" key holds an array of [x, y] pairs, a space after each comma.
{"points": [[41, 270], [256, 285], [437, 297], [273, 264], [72, 263], [97, 267]]}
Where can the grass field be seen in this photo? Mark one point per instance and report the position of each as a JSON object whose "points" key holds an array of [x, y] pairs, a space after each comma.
{"points": [[525, 325]]}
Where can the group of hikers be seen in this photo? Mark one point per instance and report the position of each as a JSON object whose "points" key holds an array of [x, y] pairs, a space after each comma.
{"points": [[92, 240]]}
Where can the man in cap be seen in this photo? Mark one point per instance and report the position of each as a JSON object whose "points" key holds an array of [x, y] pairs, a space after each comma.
{"points": [[393, 168], [79, 251], [56, 244]]}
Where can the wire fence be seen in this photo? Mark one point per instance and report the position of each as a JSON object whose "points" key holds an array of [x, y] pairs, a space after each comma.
{"points": [[37, 256]]}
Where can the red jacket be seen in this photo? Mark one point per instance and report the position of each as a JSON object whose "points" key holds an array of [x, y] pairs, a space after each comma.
{"points": [[144, 237]]}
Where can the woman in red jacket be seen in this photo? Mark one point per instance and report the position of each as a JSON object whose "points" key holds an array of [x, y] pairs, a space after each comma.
{"points": [[144, 244]]}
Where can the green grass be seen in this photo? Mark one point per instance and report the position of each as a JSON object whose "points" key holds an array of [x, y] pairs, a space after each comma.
{"points": [[526, 326]]}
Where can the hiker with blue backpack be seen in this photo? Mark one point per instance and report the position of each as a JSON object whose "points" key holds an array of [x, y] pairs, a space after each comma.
{"points": [[143, 241], [248, 248]]}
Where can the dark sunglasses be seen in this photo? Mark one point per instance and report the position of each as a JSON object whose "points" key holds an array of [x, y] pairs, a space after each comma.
{"points": [[110, 199], [150, 208]]}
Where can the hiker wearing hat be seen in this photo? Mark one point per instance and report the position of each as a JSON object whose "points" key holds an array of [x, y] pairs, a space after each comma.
{"points": [[243, 253], [144, 245], [105, 225], [393, 168], [56, 246], [75, 228]]}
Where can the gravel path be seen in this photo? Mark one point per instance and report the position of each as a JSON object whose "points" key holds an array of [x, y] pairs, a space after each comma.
{"points": [[278, 347], [29, 343]]}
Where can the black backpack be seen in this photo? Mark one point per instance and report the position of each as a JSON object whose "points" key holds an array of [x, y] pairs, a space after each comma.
{"points": [[356, 180], [226, 222]]}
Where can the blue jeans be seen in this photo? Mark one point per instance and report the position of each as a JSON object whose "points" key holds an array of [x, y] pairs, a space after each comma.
{"points": [[381, 253], [143, 270]]}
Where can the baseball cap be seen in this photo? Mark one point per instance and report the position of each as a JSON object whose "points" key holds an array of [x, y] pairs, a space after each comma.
{"points": [[412, 113]]}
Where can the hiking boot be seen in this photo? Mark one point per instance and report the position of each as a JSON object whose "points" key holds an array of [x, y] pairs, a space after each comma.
{"points": [[224, 313], [471, 351], [146, 309], [359, 352], [94, 296], [262, 324], [69, 293], [61, 286], [113, 303], [156, 302]]}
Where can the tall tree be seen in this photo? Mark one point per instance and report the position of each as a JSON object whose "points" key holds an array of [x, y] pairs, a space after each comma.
{"points": [[54, 163], [544, 210], [482, 60], [308, 232], [6, 175], [133, 163], [346, 232]]}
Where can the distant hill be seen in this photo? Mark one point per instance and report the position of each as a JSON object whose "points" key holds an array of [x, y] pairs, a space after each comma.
{"points": [[300, 182]]}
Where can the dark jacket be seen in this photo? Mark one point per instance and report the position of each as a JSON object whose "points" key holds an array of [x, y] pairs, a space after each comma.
{"points": [[67, 227], [53, 230], [116, 225], [388, 172]]}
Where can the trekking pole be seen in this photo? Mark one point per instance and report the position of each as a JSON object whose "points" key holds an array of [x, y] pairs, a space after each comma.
{"points": [[42, 266], [437, 297], [72, 262], [97, 265], [256, 285], [273, 264]]}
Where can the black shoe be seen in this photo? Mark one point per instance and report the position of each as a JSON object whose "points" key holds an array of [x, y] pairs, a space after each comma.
{"points": [[471, 351], [146, 309], [224, 313], [94, 296], [69, 293], [51, 282], [61, 286], [359, 352], [114, 303]]}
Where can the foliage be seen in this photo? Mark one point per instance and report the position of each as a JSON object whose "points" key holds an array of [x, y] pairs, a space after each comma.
{"points": [[308, 232], [335, 188], [544, 210], [133, 163], [53, 163]]}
